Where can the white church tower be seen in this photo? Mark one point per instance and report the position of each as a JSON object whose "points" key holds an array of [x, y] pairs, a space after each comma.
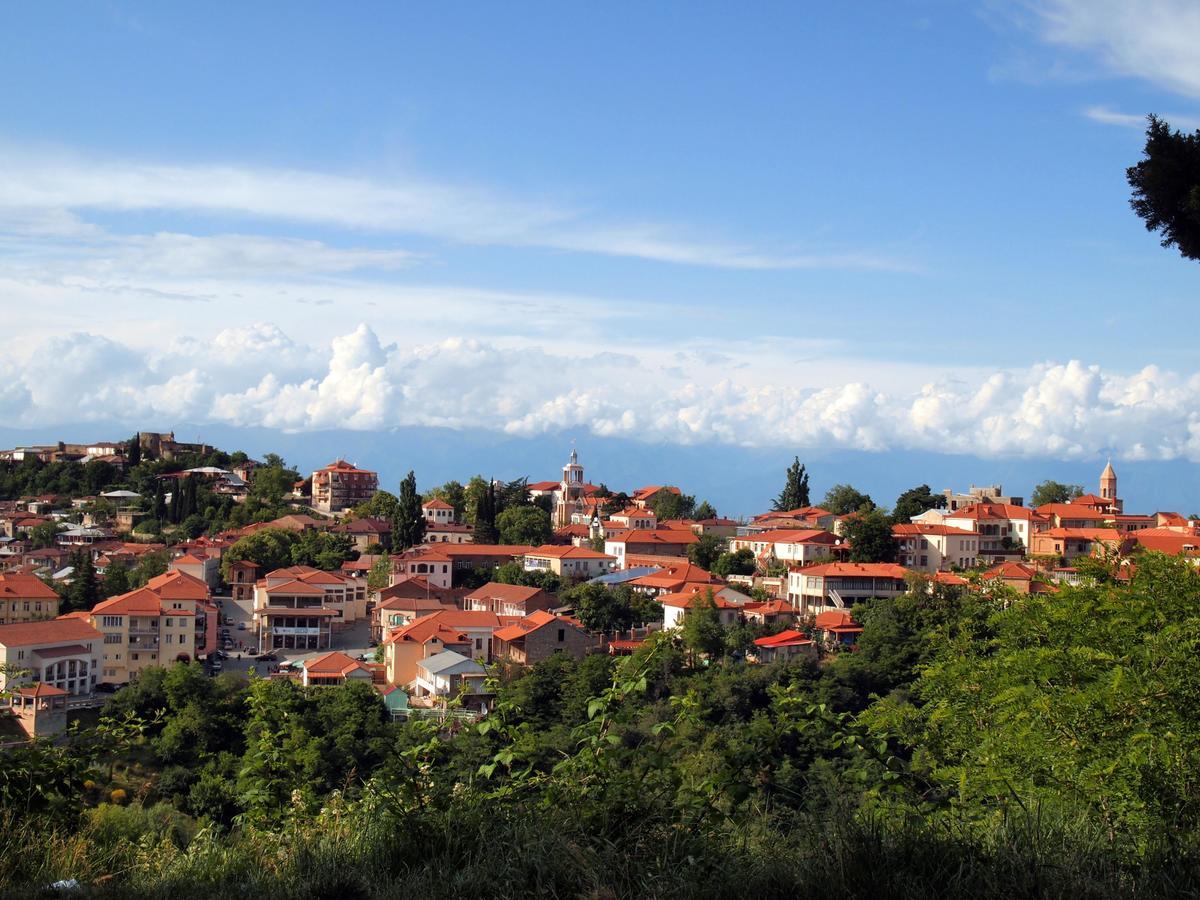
{"points": [[570, 492]]}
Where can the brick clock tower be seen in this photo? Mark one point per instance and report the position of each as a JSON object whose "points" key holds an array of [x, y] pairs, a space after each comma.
{"points": [[1108, 487]]}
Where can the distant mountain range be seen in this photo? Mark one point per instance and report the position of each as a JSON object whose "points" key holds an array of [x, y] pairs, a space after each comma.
{"points": [[737, 480]]}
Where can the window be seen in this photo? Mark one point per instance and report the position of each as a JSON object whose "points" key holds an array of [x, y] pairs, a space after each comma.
{"points": [[562, 635], [113, 638], [110, 621]]}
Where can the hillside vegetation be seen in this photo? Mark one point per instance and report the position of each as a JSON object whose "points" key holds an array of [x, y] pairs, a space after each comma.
{"points": [[977, 743]]}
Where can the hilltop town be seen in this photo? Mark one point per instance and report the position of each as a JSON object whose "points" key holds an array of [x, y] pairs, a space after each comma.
{"points": [[122, 557]]}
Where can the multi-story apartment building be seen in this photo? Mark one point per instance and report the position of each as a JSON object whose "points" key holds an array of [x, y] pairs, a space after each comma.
{"points": [[340, 486], [927, 547], [166, 621], [1001, 527], [812, 589], [299, 608], [26, 598]]}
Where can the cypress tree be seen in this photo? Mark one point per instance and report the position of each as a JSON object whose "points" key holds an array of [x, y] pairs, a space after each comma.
{"points": [[795, 491]]}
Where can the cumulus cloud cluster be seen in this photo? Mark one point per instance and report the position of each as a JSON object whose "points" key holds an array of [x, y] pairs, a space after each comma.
{"points": [[258, 375]]}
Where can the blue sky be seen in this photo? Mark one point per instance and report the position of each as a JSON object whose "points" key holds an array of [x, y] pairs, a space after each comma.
{"points": [[878, 226]]}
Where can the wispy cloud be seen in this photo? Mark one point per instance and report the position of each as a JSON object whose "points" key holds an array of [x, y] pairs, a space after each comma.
{"points": [[1154, 40], [1106, 116], [58, 190]]}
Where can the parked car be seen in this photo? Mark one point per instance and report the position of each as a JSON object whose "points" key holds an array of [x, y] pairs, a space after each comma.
{"points": [[106, 688], [241, 626], [267, 657], [229, 620]]}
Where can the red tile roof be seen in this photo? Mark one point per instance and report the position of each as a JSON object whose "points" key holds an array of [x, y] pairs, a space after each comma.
{"points": [[332, 663], [71, 629], [786, 638], [834, 618], [919, 528], [851, 570], [531, 623], [25, 587], [512, 593], [566, 551]]}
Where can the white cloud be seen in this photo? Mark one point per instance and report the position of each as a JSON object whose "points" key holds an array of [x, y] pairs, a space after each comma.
{"points": [[1154, 40], [53, 189], [1066, 410], [1106, 116]]}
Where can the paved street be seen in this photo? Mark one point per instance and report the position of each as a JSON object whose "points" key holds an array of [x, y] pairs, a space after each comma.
{"points": [[352, 641]]}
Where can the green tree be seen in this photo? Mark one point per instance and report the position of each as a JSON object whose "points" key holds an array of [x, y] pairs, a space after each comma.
{"points": [[43, 535], [1166, 187], [322, 549], [382, 505], [600, 609], [670, 505], [84, 590], [380, 574], [269, 548], [843, 499], [740, 563], [915, 501], [486, 531], [116, 580], [704, 511], [870, 536], [272, 481], [795, 488], [524, 525], [133, 450], [408, 524], [513, 493], [149, 565], [1050, 491], [159, 505], [702, 632], [705, 551]]}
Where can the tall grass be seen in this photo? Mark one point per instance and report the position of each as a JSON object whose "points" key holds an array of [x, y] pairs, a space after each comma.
{"points": [[483, 849]]}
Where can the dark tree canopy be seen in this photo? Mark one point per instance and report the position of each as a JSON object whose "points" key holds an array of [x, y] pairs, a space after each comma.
{"points": [[1166, 187], [408, 523], [915, 501], [842, 499], [1054, 492], [795, 490], [870, 537]]}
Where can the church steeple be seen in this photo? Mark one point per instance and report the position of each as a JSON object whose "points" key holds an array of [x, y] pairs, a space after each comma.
{"points": [[1108, 486]]}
